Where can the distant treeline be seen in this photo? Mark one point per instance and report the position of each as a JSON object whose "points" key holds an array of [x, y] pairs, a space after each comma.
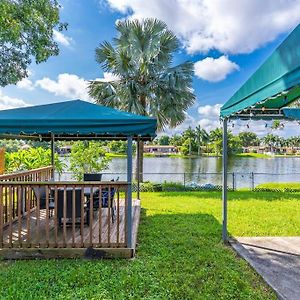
{"points": [[195, 141]]}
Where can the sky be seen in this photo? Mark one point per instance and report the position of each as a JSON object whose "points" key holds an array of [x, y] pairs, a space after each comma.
{"points": [[226, 39]]}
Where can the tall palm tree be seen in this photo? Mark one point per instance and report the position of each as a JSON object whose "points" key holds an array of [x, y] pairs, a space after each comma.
{"points": [[189, 135], [202, 137], [146, 82]]}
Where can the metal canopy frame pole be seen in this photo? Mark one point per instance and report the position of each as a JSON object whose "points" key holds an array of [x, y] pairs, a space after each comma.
{"points": [[129, 192], [138, 155], [224, 182], [53, 153]]}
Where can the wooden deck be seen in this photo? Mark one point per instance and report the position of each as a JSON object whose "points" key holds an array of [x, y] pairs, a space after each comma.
{"points": [[102, 238]]}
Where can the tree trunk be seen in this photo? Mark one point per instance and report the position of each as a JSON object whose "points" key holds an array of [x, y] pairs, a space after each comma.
{"points": [[139, 161], [139, 168]]}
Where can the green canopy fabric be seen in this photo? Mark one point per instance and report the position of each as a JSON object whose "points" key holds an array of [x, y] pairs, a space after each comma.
{"points": [[75, 119], [273, 86], [291, 113]]}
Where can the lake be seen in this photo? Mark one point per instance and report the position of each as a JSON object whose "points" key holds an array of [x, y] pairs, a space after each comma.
{"points": [[208, 170]]}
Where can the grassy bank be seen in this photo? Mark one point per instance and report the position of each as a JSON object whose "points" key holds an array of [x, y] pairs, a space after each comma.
{"points": [[279, 187], [179, 256], [253, 155]]}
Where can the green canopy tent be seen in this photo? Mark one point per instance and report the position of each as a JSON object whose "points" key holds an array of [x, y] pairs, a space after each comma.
{"points": [[78, 120], [266, 95], [75, 119]]}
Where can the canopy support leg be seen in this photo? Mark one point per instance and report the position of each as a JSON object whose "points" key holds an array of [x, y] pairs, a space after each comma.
{"points": [[129, 192], [52, 154], [138, 154], [224, 182]]}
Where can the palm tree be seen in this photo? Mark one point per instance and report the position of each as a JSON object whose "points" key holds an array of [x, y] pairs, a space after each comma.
{"points": [[189, 135], [146, 82], [201, 137]]}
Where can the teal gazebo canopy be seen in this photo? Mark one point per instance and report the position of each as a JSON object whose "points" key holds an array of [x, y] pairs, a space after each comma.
{"points": [[75, 119], [276, 84], [266, 95], [80, 120]]}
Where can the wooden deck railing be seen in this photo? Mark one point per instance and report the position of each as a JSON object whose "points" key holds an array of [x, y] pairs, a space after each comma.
{"points": [[35, 175], [63, 214], [40, 174]]}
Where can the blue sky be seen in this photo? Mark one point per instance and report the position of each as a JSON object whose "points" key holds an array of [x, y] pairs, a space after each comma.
{"points": [[227, 39]]}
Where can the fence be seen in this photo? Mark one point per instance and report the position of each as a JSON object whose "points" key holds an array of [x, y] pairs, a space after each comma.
{"points": [[35, 175], [64, 205], [236, 180]]}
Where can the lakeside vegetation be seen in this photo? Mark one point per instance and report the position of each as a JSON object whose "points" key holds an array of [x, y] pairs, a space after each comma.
{"points": [[195, 142], [179, 253]]}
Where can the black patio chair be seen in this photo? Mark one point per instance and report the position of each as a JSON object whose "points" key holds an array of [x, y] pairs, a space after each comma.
{"points": [[92, 177], [107, 201], [40, 192], [69, 208]]}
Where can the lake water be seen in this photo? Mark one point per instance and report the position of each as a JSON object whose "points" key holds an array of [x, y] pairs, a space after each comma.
{"points": [[248, 172], [205, 170]]}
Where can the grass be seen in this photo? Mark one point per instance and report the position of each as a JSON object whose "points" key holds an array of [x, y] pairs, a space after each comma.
{"points": [[279, 187], [112, 155], [253, 155], [179, 256]]}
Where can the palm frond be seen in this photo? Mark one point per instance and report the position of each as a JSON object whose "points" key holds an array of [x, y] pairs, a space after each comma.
{"points": [[141, 55]]}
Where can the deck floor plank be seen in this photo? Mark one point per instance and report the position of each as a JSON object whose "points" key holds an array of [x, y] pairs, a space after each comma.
{"points": [[39, 240]]}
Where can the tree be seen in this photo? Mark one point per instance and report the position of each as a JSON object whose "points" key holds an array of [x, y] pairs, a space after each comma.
{"points": [[176, 140], [26, 32], [31, 158], [145, 82], [276, 124], [87, 157], [271, 140], [216, 134], [248, 139], [201, 137], [190, 136], [234, 143], [164, 140], [117, 146]]}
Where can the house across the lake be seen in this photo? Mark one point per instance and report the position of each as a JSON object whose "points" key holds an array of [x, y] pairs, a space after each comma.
{"points": [[160, 149], [273, 149]]}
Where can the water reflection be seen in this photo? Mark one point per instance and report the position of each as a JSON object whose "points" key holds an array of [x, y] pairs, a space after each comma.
{"points": [[197, 169]]}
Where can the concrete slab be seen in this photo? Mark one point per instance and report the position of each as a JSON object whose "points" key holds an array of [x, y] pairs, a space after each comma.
{"points": [[276, 259]]}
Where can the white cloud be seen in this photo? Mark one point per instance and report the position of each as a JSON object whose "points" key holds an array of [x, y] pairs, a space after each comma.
{"points": [[209, 116], [7, 102], [67, 85], [26, 84], [209, 124], [215, 69], [61, 38], [189, 121], [230, 26], [212, 111], [108, 76]]}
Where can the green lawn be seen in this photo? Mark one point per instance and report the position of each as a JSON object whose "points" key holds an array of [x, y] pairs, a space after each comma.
{"points": [[179, 256], [253, 155]]}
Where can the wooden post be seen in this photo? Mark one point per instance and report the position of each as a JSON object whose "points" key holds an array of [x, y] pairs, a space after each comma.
{"points": [[129, 194], [224, 183]]}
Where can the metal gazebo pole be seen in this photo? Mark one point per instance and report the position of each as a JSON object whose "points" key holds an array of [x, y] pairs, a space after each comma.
{"points": [[224, 182], [52, 153], [129, 192], [138, 167]]}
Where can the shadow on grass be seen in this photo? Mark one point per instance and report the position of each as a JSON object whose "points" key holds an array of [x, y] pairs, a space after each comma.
{"points": [[186, 249], [179, 256]]}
